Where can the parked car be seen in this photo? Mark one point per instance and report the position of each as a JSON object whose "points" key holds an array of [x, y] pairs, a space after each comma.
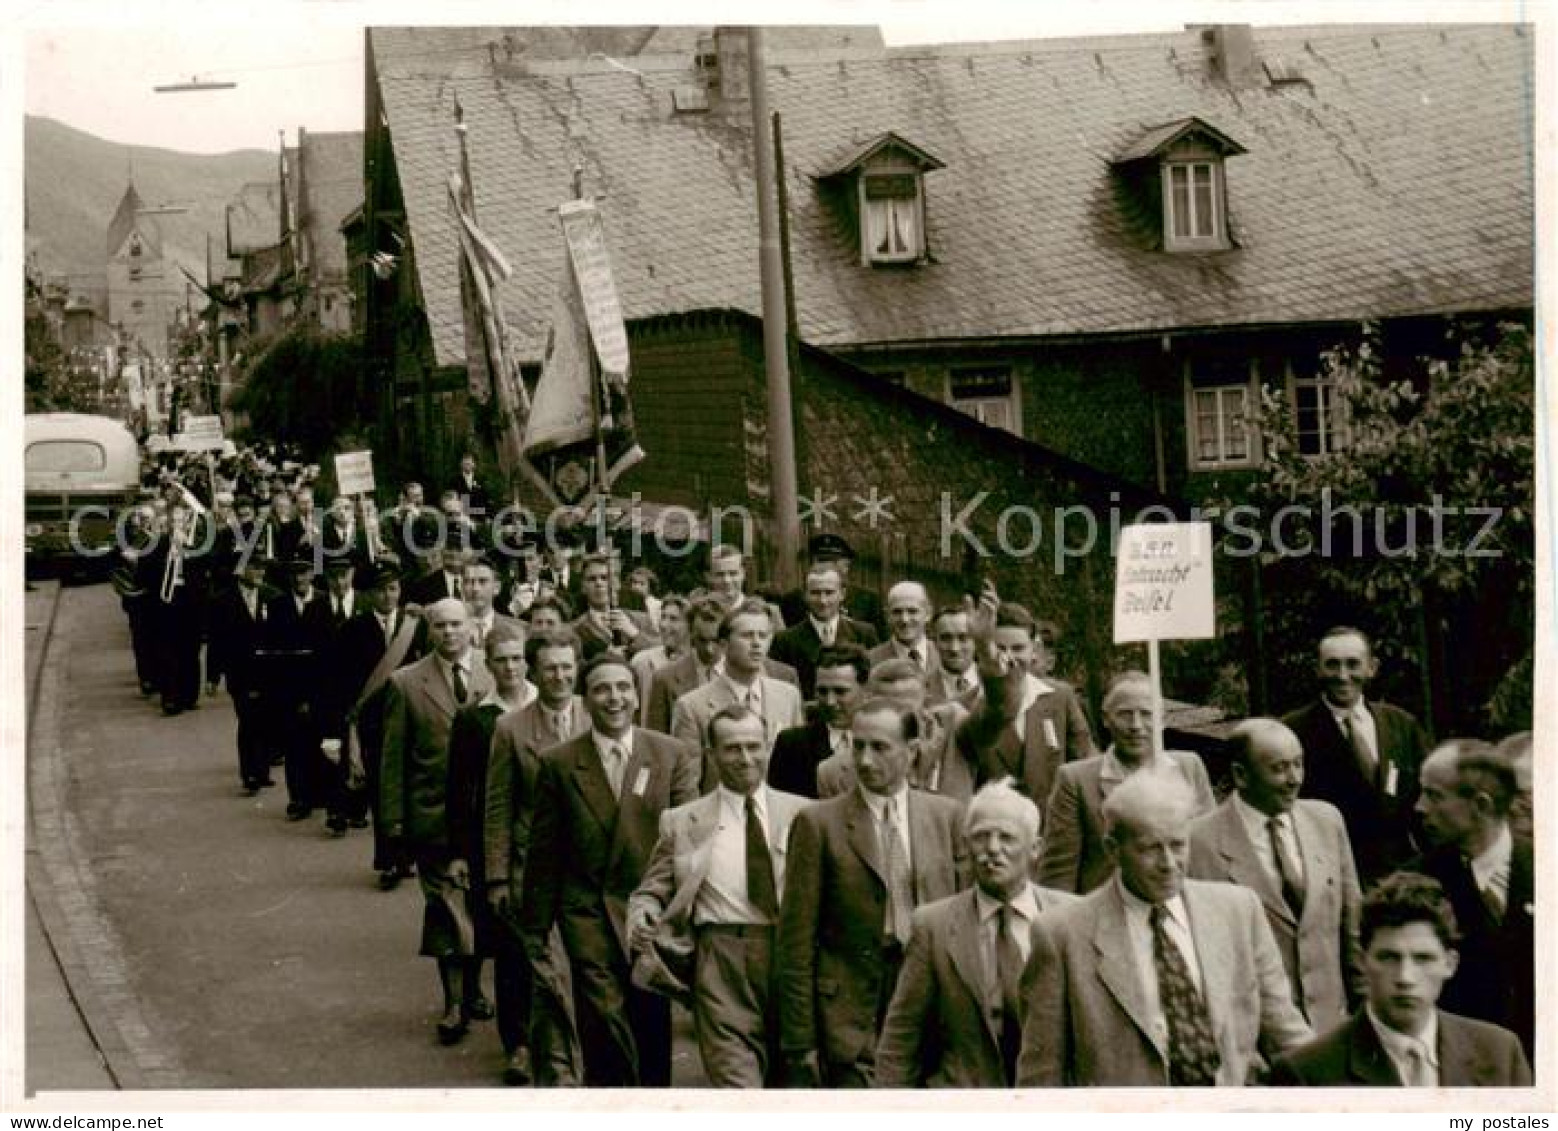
{"points": [[80, 473]]}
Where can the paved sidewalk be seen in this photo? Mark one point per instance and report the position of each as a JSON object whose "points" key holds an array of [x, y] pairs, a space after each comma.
{"points": [[61, 1054]]}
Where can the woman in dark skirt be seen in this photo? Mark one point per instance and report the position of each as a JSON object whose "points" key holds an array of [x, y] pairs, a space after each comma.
{"points": [[470, 739]]}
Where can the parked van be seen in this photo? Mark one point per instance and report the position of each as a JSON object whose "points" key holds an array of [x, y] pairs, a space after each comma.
{"points": [[82, 469]]}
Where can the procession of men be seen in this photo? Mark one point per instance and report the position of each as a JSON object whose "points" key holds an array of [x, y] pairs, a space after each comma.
{"points": [[878, 850]]}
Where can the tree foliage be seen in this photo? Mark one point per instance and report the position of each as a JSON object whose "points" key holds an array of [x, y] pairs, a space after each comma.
{"points": [[303, 387], [1420, 526]]}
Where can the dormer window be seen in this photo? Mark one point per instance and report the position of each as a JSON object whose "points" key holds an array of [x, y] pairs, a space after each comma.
{"points": [[1175, 181], [886, 180]]}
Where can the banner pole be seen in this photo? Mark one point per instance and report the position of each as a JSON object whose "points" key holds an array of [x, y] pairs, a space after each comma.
{"points": [[1155, 674]]}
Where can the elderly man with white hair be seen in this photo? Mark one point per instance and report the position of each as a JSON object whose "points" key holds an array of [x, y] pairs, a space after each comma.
{"points": [[956, 1017], [908, 616], [419, 709], [1153, 979]]}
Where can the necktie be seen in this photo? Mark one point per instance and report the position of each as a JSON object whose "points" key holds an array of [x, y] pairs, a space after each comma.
{"points": [[612, 762], [1491, 900], [1367, 764], [1008, 967], [338, 610], [760, 866], [478, 633], [458, 677], [388, 625], [1287, 870], [914, 654], [1193, 1055], [827, 634], [454, 584], [1417, 1069], [900, 887]]}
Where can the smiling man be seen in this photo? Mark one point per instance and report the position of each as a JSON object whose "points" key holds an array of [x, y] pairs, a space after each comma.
{"points": [[1401, 1037], [597, 811], [1361, 755], [956, 1018], [1295, 855]]}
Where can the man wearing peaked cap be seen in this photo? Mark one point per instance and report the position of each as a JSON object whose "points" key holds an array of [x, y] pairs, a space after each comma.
{"points": [[859, 604]]}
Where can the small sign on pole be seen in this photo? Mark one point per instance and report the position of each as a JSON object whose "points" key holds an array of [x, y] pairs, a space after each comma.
{"points": [[354, 473], [1163, 591], [200, 433]]}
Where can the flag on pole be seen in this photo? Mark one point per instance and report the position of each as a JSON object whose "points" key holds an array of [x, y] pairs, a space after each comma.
{"points": [[582, 435], [492, 373]]}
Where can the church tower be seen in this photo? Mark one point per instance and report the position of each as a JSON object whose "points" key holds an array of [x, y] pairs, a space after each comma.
{"points": [[137, 287]]}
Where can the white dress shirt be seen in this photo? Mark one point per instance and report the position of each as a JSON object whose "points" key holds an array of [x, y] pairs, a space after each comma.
{"points": [[1177, 926], [616, 769], [750, 695], [560, 720], [448, 666], [723, 898], [1032, 688], [827, 631], [900, 803], [1490, 867], [1403, 1048], [1255, 826], [922, 646], [1361, 720]]}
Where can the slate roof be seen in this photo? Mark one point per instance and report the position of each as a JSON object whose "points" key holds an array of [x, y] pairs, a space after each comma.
{"points": [[254, 217], [330, 174], [127, 218], [1396, 180]]}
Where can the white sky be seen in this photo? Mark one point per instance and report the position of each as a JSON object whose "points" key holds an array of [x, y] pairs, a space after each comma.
{"points": [[92, 65]]}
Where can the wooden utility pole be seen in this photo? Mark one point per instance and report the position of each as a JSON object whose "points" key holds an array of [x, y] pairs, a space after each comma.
{"points": [[776, 362]]}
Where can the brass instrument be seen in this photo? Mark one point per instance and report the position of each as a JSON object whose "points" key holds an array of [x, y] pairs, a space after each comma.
{"points": [[181, 534]]}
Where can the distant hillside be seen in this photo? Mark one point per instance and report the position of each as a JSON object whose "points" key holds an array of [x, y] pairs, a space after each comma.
{"points": [[75, 180]]}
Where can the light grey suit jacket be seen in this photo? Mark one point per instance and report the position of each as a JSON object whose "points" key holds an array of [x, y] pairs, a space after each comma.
{"points": [[690, 717], [1319, 949], [518, 741], [943, 1028], [1086, 1023], [419, 710]]}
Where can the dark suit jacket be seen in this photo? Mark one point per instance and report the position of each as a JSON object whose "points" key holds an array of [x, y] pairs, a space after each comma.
{"points": [[830, 962], [590, 632], [518, 742], [1054, 732], [1379, 822], [356, 652], [943, 1028], [428, 588], [234, 637], [470, 740], [332, 698], [859, 605], [1319, 948], [799, 646], [797, 754], [290, 647], [1496, 979], [588, 850], [478, 503], [1472, 1054]]}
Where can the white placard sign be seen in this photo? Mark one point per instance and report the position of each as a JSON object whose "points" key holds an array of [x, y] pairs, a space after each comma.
{"points": [[200, 433], [1163, 583], [354, 473]]}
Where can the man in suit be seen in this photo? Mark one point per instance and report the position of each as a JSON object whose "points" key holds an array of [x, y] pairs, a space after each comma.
{"points": [[292, 653], [738, 677], [478, 587], [597, 810], [956, 1017], [604, 623], [327, 616], [1362, 756], [1400, 1038], [1294, 854], [1027, 726], [375, 642], [1076, 854], [908, 615], [1153, 979], [823, 625], [419, 710], [858, 865], [672, 647], [444, 576], [1488, 877], [704, 648], [555, 716], [956, 678], [341, 535], [237, 628], [858, 604], [714, 877], [468, 486], [935, 763], [841, 674]]}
